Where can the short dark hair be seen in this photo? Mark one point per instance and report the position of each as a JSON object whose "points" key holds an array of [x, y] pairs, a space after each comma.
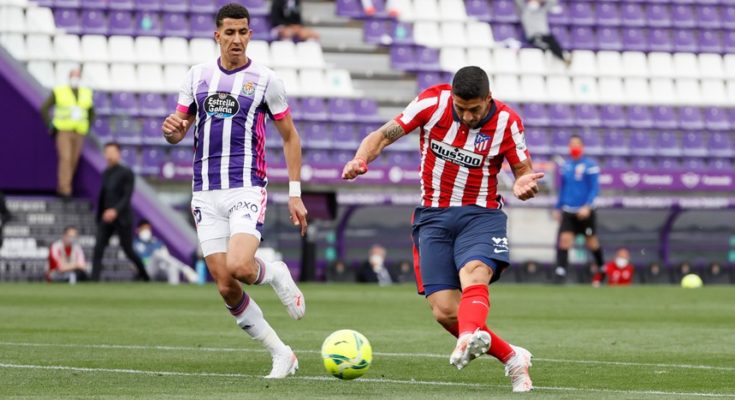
{"points": [[576, 136], [232, 10], [471, 83], [144, 222], [70, 227], [113, 144]]}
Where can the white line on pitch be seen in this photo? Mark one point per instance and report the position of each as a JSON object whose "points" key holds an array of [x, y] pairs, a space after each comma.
{"points": [[424, 355], [367, 380]]}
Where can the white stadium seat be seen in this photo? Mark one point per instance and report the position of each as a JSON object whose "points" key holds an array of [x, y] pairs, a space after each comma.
{"points": [[610, 63], [711, 65], [716, 92], [479, 34], [687, 91], [505, 60], [149, 78], [585, 89], [67, 48], [96, 75], [533, 88], [124, 77], [426, 10], [283, 54], [202, 50], [660, 65], [12, 19], [44, 73], [453, 10], [453, 34], [481, 58], [339, 82], [122, 49], [729, 61], [404, 8], [584, 62], [95, 49], [310, 55], [532, 61], [506, 87], [427, 33], [686, 65], [39, 47], [662, 91], [559, 88], [62, 69], [610, 90], [290, 80], [637, 91], [148, 50], [173, 76], [312, 82], [634, 64], [452, 59], [15, 44], [40, 20], [175, 50], [731, 91], [259, 50]]}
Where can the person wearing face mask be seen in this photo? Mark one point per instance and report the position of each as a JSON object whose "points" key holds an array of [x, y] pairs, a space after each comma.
{"points": [[287, 22], [374, 270], [66, 262], [574, 210], [73, 115], [159, 263], [535, 21], [619, 272]]}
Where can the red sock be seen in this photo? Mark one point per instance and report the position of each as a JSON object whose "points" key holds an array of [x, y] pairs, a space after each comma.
{"points": [[473, 308], [454, 329], [499, 348]]}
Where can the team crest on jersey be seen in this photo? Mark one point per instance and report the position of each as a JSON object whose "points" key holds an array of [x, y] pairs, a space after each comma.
{"points": [[221, 105], [482, 142], [248, 89]]}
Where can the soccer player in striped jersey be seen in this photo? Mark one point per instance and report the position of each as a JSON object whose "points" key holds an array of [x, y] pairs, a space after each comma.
{"points": [[227, 100], [459, 231]]}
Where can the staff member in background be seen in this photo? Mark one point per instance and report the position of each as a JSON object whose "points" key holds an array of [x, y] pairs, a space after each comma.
{"points": [[535, 21], [574, 209], [160, 264], [66, 262], [73, 114], [287, 23], [114, 214], [619, 272]]}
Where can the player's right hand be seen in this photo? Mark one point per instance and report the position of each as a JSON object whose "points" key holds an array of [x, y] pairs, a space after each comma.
{"points": [[354, 168], [173, 126], [556, 214]]}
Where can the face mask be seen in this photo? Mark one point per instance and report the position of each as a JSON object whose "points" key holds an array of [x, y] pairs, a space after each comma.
{"points": [[74, 81], [376, 259], [621, 262], [145, 235], [534, 5], [68, 241], [575, 152]]}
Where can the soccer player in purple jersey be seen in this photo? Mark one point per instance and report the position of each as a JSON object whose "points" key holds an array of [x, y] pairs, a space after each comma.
{"points": [[227, 100]]}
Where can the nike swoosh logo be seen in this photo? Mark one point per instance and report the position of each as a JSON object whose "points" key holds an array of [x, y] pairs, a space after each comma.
{"points": [[298, 301], [479, 302], [500, 251]]}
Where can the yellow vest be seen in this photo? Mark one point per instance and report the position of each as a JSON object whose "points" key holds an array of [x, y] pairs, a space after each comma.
{"points": [[71, 114]]}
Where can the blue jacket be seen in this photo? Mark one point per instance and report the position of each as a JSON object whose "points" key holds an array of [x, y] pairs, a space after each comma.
{"points": [[579, 184]]}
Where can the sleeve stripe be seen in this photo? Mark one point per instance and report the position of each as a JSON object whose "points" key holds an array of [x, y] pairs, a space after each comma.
{"points": [[281, 115], [593, 170], [518, 140], [415, 108], [499, 133], [182, 108]]}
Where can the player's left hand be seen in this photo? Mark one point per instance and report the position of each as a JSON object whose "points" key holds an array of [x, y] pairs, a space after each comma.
{"points": [[298, 213], [584, 212], [109, 215], [526, 187]]}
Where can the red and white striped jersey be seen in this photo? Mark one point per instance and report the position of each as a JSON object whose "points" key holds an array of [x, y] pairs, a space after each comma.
{"points": [[459, 166]]}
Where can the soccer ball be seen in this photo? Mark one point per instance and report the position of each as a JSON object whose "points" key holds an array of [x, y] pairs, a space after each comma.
{"points": [[347, 354], [691, 281]]}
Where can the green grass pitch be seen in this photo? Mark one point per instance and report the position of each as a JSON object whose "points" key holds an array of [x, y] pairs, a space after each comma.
{"points": [[119, 341]]}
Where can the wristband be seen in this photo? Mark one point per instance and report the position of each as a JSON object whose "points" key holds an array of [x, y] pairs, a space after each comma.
{"points": [[363, 163], [294, 189]]}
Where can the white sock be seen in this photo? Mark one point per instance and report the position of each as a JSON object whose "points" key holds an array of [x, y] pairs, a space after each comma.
{"points": [[251, 320], [266, 272]]}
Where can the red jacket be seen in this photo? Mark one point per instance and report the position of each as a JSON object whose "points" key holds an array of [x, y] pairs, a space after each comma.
{"points": [[616, 276]]}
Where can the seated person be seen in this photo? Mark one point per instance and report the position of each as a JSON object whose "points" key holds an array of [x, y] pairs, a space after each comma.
{"points": [[66, 262], [619, 272], [340, 272], [286, 21], [374, 269], [159, 264], [405, 273]]}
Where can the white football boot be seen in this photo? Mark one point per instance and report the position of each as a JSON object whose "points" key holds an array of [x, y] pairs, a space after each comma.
{"points": [[517, 369], [469, 347], [284, 364], [287, 291]]}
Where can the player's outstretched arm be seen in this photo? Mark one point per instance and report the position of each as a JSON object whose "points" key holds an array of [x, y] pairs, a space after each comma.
{"points": [[175, 126], [525, 186], [292, 153], [371, 147]]}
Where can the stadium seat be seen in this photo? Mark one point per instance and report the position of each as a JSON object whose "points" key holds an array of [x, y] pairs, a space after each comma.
{"points": [[721, 144], [452, 59], [610, 63], [96, 75], [533, 88], [480, 57], [479, 9], [174, 24], [710, 65], [615, 143], [62, 69], [637, 90], [584, 63], [634, 39], [691, 118], [15, 44], [426, 10], [38, 47], [708, 17], [453, 34], [125, 77], [338, 82], [152, 105], [611, 115], [68, 20], [93, 22], [688, 91], [175, 50], [668, 145], [259, 51], [147, 23], [120, 23], [427, 59], [632, 14], [538, 140], [173, 76], [607, 14], [150, 77], [505, 60], [290, 80], [559, 88], [122, 49], [609, 38], [452, 10], [283, 54], [658, 16], [665, 117], [611, 90], [683, 15], [341, 109], [200, 26], [660, 64], [561, 115], [43, 71], [202, 6], [685, 65], [639, 117], [12, 19], [660, 39], [202, 50], [642, 144], [584, 38], [506, 87], [663, 91], [82, 4], [504, 11], [309, 54], [479, 35], [148, 5], [709, 42], [67, 48], [532, 62], [40, 20], [581, 13], [148, 50], [427, 33], [714, 92], [715, 118], [94, 48], [585, 89], [404, 9]]}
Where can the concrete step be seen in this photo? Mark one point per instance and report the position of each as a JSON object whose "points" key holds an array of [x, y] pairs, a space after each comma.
{"points": [[387, 91], [362, 63], [322, 13]]}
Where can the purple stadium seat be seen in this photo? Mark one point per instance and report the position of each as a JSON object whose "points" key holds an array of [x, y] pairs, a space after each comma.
{"points": [[102, 104], [67, 19], [148, 24], [616, 163], [175, 6], [342, 157], [562, 35], [615, 142], [175, 24], [658, 16], [581, 13], [667, 144], [691, 118], [587, 115], [639, 117], [685, 41], [683, 15], [728, 41], [151, 160], [341, 109], [719, 164], [317, 135], [350, 8], [124, 103], [608, 14], [592, 142], [200, 25], [504, 11], [181, 156], [560, 18], [632, 14], [708, 17], [402, 57], [720, 144], [427, 59], [560, 141], [715, 118], [148, 5], [609, 39], [479, 9], [255, 7], [375, 31], [561, 115], [401, 32], [94, 22], [314, 109], [534, 114], [634, 39], [641, 144], [93, 4], [171, 100], [260, 26], [121, 23], [670, 164], [151, 130], [613, 116], [294, 106], [202, 6], [317, 157], [659, 39], [709, 41], [344, 136], [664, 117], [129, 157], [127, 5], [126, 130], [694, 144], [66, 3], [503, 32], [366, 110], [152, 105], [642, 164], [428, 79], [728, 17], [538, 140], [101, 129], [694, 164], [584, 38]]}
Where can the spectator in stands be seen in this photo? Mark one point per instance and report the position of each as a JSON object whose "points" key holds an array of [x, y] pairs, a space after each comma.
{"points": [[287, 23], [655, 275], [405, 273], [4, 216], [574, 210], [681, 271], [619, 272], [159, 263], [114, 213], [66, 262], [535, 20], [340, 272], [73, 115], [374, 269], [716, 275]]}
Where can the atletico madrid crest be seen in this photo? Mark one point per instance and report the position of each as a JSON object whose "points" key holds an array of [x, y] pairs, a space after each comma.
{"points": [[482, 142]]}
